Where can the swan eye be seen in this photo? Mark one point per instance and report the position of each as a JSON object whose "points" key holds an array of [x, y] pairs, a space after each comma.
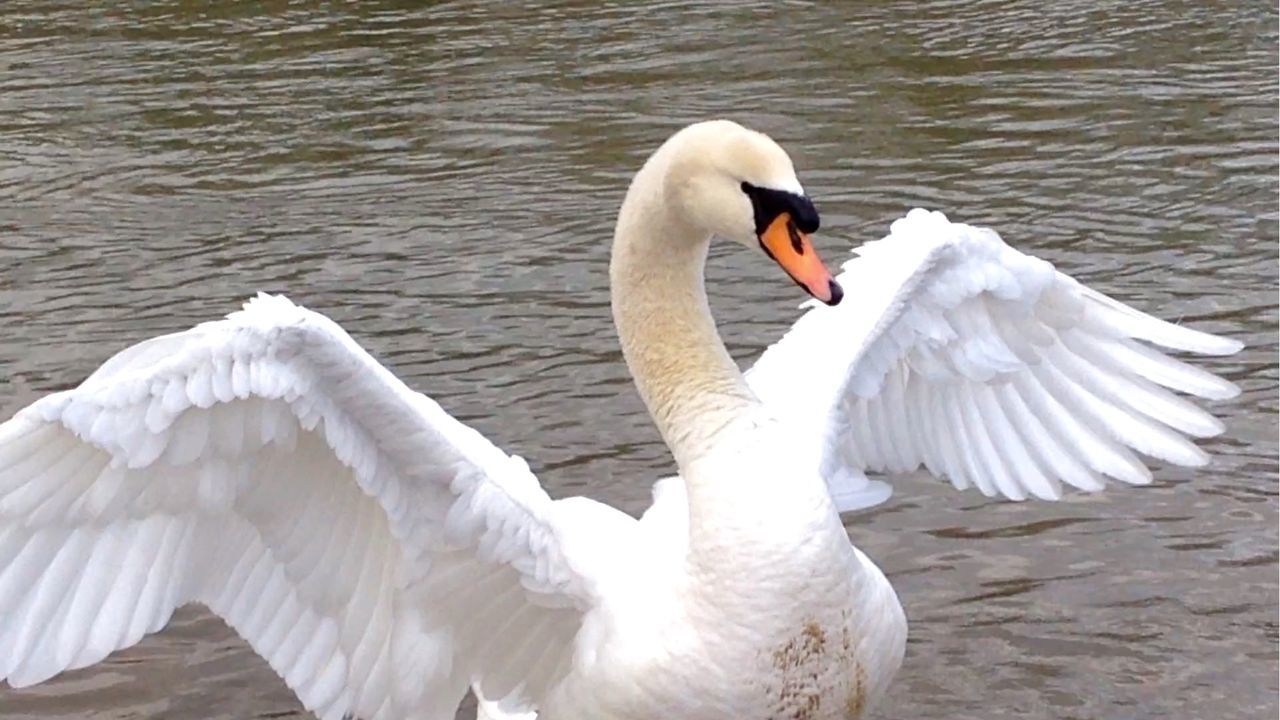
{"points": [[768, 204]]}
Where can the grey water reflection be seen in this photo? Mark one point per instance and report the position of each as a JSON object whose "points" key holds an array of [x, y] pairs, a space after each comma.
{"points": [[441, 179]]}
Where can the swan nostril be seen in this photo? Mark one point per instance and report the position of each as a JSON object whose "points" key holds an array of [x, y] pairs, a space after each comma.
{"points": [[797, 243]]}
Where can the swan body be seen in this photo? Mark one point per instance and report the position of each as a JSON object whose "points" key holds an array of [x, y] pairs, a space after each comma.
{"points": [[384, 557]]}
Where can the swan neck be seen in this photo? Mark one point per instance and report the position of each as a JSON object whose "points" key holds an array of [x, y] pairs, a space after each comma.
{"points": [[684, 374]]}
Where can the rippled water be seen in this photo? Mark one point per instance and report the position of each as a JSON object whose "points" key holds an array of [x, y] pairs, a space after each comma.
{"points": [[442, 182]]}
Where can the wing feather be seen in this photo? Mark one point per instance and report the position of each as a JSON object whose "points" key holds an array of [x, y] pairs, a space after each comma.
{"points": [[364, 542], [1137, 390], [990, 368], [984, 421], [950, 443]]}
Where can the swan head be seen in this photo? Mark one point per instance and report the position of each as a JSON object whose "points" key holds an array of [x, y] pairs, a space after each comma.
{"points": [[740, 185]]}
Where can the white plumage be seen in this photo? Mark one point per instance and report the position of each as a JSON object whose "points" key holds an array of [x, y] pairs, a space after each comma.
{"points": [[383, 557], [267, 467], [989, 368]]}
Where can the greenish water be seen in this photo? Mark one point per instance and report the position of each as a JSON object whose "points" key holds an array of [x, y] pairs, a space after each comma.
{"points": [[442, 181]]}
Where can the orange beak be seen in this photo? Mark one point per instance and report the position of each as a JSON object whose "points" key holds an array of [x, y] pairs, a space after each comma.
{"points": [[791, 249]]}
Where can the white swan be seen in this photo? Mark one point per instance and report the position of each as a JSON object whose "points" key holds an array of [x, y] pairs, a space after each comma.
{"points": [[383, 557]]}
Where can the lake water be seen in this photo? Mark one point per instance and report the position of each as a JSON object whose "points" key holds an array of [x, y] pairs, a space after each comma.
{"points": [[443, 181]]}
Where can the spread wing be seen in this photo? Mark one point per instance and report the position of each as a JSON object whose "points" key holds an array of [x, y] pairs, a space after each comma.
{"points": [[378, 553], [989, 368]]}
